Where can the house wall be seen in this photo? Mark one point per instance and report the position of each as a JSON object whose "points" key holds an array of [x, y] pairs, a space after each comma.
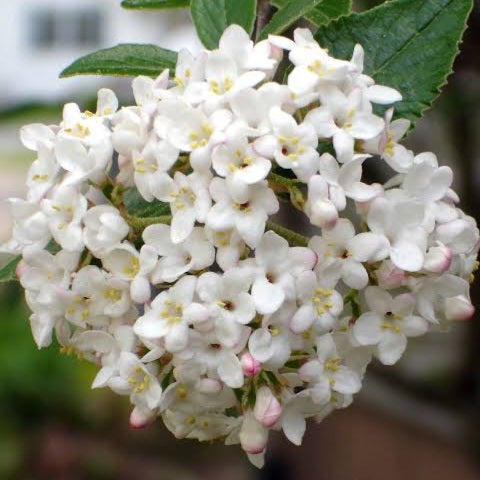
{"points": [[30, 72]]}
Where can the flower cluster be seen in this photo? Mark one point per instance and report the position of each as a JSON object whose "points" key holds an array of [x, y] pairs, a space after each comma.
{"points": [[212, 317]]}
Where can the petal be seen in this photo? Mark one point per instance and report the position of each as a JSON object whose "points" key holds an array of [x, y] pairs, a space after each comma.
{"points": [[383, 95], [267, 296], [407, 256], [369, 247], [354, 274], [367, 329], [294, 425], [391, 347], [230, 371], [414, 326], [346, 381]]}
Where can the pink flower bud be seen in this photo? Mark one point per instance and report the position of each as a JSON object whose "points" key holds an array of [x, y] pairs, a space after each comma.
{"points": [[20, 270], [267, 408], [459, 308], [390, 276], [140, 418], [438, 259], [324, 214], [251, 366], [253, 435]]}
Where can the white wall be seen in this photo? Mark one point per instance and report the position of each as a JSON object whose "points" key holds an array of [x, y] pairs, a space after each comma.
{"points": [[30, 74]]}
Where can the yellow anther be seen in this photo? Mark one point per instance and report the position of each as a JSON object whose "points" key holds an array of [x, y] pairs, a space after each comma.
{"points": [[182, 392], [112, 294], [132, 269], [190, 420]]}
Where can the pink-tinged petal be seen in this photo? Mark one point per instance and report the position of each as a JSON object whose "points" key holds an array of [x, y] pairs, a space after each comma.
{"points": [[250, 365], [253, 435], [459, 309], [267, 408]]}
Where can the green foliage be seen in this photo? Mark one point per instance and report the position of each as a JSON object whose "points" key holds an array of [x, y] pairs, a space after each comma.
{"points": [[138, 207], [155, 4], [324, 12], [409, 45], [7, 271], [212, 17], [124, 60], [287, 16]]}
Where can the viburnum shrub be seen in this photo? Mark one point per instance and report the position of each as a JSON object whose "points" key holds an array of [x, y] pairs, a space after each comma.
{"points": [[147, 242]]}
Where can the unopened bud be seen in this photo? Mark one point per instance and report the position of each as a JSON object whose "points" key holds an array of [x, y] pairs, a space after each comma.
{"points": [[438, 259], [459, 308], [267, 408], [141, 418], [251, 366], [389, 276], [323, 214], [253, 435]]}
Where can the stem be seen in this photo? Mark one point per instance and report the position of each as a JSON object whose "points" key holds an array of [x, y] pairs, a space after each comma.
{"points": [[283, 181], [140, 223], [264, 13], [292, 237]]}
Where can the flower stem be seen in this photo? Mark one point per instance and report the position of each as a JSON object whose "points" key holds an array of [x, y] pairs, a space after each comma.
{"points": [[292, 237], [283, 181], [140, 223]]}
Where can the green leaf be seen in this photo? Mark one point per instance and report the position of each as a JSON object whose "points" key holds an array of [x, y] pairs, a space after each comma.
{"points": [[124, 60], [409, 45], [324, 12], [139, 207], [212, 17], [287, 16], [8, 271], [155, 4]]}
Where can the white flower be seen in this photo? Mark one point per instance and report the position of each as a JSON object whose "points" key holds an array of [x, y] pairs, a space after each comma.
{"points": [[229, 246], [104, 228], [156, 158], [344, 118], [343, 253], [328, 372], [30, 226], [169, 315], [292, 146], [43, 174], [249, 217], [398, 223], [320, 303], [231, 306], [65, 210], [240, 164], [276, 267], [193, 254], [313, 65], [189, 201], [126, 263], [191, 130], [388, 324]]}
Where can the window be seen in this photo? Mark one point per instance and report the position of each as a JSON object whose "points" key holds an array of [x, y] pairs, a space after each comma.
{"points": [[76, 28]]}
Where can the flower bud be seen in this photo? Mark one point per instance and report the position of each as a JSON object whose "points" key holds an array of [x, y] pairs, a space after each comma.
{"points": [[389, 276], [251, 366], [141, 418], [438, 259], [253, 435], [267, 408], [458, 309], [20, 270], [323, 214]]}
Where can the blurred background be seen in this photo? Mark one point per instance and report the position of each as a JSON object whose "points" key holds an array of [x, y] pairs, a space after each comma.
{"points": [[418, 420]]}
